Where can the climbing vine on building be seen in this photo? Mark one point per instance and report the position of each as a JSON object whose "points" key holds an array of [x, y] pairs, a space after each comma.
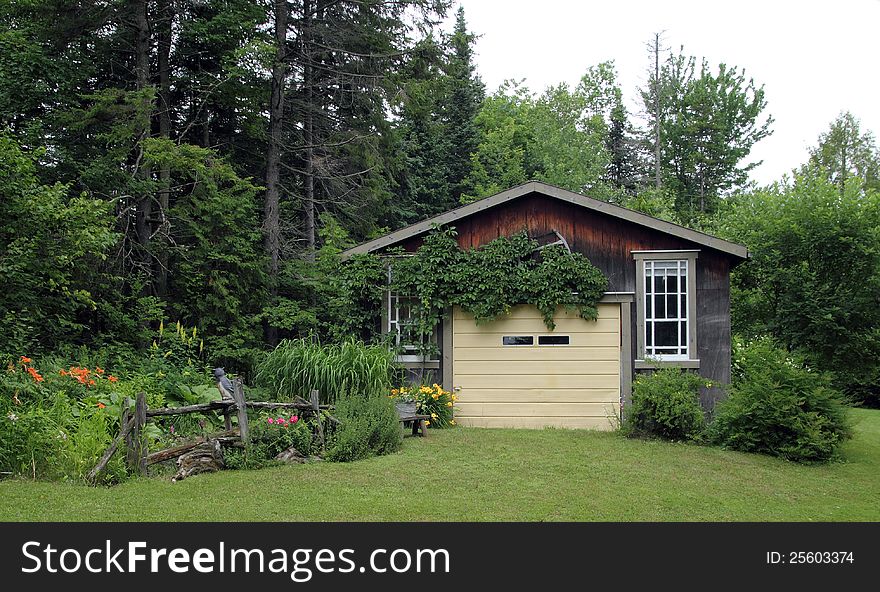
{"points": [[485, 282]]}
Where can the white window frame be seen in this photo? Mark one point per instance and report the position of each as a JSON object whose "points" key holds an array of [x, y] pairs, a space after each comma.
{"points": [[687, 351], [392, 324]]}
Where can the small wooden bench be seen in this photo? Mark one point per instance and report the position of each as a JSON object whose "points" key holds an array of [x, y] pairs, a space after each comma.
{"points": [[418, 423]]}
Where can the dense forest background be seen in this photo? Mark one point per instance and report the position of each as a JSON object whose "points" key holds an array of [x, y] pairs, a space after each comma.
{"points": [[205, 162]]}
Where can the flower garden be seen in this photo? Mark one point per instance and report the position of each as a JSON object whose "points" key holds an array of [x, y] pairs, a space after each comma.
{"points": [[58, 417]]}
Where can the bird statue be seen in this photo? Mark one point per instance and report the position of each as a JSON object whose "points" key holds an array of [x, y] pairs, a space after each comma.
{"points": [[224, 385]]}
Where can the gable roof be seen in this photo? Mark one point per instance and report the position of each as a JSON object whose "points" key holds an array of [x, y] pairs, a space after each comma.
{"points": [[694, 236]]}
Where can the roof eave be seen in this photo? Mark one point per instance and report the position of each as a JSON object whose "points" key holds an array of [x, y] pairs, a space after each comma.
{"points": [[733, 249]]}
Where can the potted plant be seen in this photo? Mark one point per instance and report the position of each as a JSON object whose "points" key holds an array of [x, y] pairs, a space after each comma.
{"points": [[404, 400]]}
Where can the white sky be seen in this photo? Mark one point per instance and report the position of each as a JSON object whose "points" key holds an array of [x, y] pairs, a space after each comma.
{"points": [[815, 59]]}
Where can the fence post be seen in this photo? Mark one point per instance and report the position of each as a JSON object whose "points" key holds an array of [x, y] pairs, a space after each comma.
{"points": [[129, 438], [136, 450], [238, 395], [313, 399]]}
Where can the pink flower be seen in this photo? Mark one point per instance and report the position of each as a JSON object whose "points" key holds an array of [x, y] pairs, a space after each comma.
{"points": [[270, 420], [281, 421], [172, 429], [294, 419]]}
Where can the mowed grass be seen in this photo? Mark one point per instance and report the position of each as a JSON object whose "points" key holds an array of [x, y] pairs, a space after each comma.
{"points": [[506, 475]]}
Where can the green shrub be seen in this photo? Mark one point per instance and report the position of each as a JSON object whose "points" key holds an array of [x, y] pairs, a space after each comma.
{"points": [[271, 434], [296, 367], [666, 404], [779, 407], [368, 426], [30, 442], [57, 417]]}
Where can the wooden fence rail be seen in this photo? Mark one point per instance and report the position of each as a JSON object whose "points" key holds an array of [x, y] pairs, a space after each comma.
{"points": [[131, 431]]}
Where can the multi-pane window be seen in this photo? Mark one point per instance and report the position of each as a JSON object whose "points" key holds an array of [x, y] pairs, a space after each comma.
{"points": [[666, 309], [401, 324]]}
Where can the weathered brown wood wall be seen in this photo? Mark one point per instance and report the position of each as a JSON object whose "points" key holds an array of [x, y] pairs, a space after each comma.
{"points": [[608, 242]]}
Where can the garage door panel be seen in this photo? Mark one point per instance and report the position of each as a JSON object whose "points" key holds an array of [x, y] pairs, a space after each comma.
{"points": [[537, 409], [606, 311], [493, 340], [574, 395], [585, 423], [555, 367], [574, 385], [532, 327], [531, 381], [564, 352]]}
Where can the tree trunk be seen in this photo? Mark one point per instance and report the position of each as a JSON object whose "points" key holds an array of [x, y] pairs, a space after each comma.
{"points": [[271, 207], [657, 183], [166, 18], [143, 221], [309, 134]]}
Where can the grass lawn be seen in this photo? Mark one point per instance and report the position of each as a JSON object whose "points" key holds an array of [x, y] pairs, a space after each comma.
{"points": [[475, 475]]}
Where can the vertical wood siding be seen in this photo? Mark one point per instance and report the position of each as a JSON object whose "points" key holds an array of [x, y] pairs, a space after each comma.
{"points": [[608, 242]]}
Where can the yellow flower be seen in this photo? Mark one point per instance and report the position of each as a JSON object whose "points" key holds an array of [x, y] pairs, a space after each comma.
{"points": [[394, 392], [452, 422], [454, 398], [435, 396], [427, 423], [449, 404], [433, 416]]}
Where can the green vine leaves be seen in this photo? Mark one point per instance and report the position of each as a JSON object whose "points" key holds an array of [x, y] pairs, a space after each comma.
{"points": [[487, 281]]}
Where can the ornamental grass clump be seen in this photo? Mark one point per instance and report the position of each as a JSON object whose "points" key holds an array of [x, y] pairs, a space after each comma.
{"points": [[296, 367]]}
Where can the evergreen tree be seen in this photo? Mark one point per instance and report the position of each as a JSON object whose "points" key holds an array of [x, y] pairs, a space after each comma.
{"points": [[845, 152], [623, 150], [466, 94], [438, 129]]}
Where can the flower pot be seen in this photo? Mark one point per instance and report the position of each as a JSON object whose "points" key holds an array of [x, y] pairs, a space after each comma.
{"points": [[406, 407]]}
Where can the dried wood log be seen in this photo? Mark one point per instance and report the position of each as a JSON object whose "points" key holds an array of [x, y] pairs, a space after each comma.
{"points": [[224, 438], [207, 457], [291, 455], [170, 453]]}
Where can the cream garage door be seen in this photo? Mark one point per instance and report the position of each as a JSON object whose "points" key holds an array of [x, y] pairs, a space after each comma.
{"points": [[513, 372]]}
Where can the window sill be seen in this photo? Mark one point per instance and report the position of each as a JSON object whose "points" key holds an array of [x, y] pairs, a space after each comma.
{"points": [[651, 364], [417, 362]]}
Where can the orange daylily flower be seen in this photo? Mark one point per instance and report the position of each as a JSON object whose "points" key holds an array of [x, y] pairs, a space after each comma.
{"points": [[91, 383], [35, 375], [63, 372], [99, 370], [112, 378], [101, 405], [26, 360]]}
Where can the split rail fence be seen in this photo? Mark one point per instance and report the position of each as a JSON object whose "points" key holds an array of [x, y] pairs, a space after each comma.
{"points": [[131, 431]]}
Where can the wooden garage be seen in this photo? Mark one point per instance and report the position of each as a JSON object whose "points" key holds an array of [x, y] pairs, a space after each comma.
{"points": [[667, 304]]}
